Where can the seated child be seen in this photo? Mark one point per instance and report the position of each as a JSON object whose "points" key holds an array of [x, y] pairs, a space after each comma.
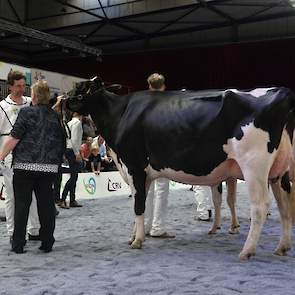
{"points": [[95, 160]]}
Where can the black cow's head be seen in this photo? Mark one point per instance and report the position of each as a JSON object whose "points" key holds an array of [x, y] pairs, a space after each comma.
{"points": [[81, 98]]}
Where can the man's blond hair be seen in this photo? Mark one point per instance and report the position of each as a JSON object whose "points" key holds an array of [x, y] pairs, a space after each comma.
{"points": [[156, 81], [41, 91]]}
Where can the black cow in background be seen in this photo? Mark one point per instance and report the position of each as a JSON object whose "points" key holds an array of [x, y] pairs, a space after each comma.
{"points": [[202, 137]]}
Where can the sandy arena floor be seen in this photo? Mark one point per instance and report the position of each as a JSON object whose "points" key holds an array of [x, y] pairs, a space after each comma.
{"points": [[91, 255]]}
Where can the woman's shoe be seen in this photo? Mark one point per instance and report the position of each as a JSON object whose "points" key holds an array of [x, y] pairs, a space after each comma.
{"points": [[45, 249], [64, 205], [18, 250], [75, 204]]}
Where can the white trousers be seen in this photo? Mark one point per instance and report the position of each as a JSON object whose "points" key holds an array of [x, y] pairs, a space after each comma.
{"points": [[33, 221], [203, 200], [156, 207]]}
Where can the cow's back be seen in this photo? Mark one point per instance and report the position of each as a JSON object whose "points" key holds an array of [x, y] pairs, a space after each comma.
{"points": [[176, 127]]}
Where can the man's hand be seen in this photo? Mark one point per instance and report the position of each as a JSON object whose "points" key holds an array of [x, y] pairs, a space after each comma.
{"points": [[78, 158], [59, 98], [107, 160]]}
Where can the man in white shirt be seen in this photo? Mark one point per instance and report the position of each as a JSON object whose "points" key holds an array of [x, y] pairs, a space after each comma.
{"points": [[74, 142], [203, 202], [157, 197], [9, 109]]}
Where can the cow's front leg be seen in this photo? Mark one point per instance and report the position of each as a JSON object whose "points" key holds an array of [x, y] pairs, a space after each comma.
{"points": [[259, 202], [281, 190], [217, 200], [139, 182], [231, 201]]}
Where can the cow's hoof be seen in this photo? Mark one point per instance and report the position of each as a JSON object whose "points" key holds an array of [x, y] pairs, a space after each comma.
{"points": [[282, 251], [214, 230], [132, 238], [244, 256], [211, 232], [136, 244], [234, 230]]}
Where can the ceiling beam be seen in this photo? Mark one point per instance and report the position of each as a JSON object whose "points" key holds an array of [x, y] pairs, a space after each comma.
{"points": [[75, 12], [100, 26], [252, 4], [191, 29], [35, 34], [216, 10], [26, 12], [127, 17], [111, 21], [213, 25], [15, 12], [103, 11], [177, 19], [266, 8], [219, 12]]}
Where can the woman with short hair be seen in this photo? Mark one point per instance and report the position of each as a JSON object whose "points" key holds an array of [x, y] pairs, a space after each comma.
{"points": [[38, 142]]}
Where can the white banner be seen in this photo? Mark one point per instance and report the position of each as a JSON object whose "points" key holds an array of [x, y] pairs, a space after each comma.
{"points": [[58, 83], [107, 184], [5, 68]]}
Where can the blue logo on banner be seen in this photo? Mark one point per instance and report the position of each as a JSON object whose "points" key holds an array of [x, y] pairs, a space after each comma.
{"points": [[90, 186]]}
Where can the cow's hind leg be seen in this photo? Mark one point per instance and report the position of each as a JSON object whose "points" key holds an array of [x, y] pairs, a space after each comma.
{"points": [[259, 202], [281, 190], [139, 182], [217, 200], [133, 191], [231, 201]]}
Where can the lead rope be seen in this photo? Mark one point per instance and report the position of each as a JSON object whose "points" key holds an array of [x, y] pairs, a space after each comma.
{"points": [[65, 126]]}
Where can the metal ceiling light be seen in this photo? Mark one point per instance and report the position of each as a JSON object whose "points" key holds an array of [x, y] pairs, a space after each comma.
{"points": [[65, 50], [98, 58], [45, 45], [25, 39]]}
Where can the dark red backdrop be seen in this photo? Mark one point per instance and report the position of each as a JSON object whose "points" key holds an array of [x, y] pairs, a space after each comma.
{"points": [[245, 65]]}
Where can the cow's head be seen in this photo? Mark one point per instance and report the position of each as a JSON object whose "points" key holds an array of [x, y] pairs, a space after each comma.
{"points": [[82, 97]]}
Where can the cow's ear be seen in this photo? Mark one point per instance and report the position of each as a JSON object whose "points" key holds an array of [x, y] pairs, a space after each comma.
{"points": [[97, 82], [114, 87]]}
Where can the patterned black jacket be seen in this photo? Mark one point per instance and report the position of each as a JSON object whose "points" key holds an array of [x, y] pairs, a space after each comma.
{"points": [[42, 139]]}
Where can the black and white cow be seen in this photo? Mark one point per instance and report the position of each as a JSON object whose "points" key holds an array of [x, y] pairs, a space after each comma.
{"points": [[201, 137]]}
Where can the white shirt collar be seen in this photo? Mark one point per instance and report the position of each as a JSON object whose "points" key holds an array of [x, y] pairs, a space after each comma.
{"points": [[10, 101]]}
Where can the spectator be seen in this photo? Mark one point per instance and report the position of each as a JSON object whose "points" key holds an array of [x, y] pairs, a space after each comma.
{"points": [[34, 166], [74, 159], [88, 127], [95, 161], [107, 162], [85, 151]]}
